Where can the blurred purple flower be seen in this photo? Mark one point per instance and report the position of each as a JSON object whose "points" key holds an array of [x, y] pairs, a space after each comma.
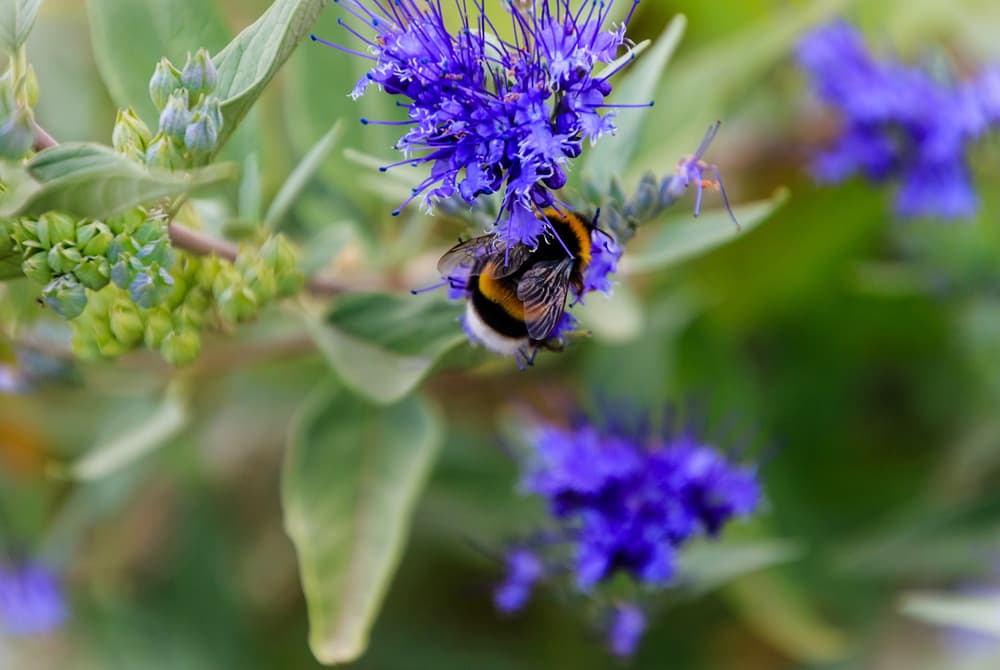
{"points": [[622, 500], [524, 569], [31, 599], [487, 113], [899, 123], [628, 623], [629, 503]]}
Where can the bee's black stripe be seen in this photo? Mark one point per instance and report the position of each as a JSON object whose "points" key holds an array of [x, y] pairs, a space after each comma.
{"points": [[494, 315], [569, 228]]}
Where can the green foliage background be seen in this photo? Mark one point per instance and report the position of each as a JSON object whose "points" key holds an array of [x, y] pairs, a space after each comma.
{"points": [[864, 350]]}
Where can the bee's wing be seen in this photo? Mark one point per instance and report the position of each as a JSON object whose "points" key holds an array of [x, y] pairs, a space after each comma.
{"points": [[470, 252], [476, 251], [543, 289]]}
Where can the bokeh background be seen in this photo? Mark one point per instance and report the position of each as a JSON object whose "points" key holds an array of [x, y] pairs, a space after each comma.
{"points": [[859, 355]]}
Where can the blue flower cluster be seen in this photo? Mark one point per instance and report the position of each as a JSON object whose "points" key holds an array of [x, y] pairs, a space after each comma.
{"points": [[899, 122], [31, 599], [491, 112], [624, 502]]}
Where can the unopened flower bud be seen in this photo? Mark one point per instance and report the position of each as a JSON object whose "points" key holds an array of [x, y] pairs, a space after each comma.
{"points": [[189, 316], [25, 235], [107, 344], [94, 272], [66, 296], [145, 291], [178, 292], [130, 135], [17, 134], [165, 79], [199, 75], [126, 323], [207, 271], [121, 273], [63, 257], [197, 299], [283, 257], [175, 116], [61, 227], [162, 153], [237, 303], [211, 108], [99, 239], [31, 85], [127, 221], [36, 268], [158, 326], [181, 347], [201, 135]]}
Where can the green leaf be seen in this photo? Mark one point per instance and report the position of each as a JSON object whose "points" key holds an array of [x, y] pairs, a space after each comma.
{"points": [[300, 177], [249, 62], [615, 318], [130, 444], [684, 237], [248, 196], [16, 20], [975, 613], [92, 181], [705, 566], [611, 157], [383, 345], [780, 611], [351, 477], [155, 28]]}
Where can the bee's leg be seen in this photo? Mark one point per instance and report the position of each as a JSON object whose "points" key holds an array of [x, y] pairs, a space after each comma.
{"points": [[530, 359], [518, 356]]}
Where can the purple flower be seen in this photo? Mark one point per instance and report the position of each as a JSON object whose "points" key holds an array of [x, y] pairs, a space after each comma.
{"points": [[622, 501], [628, 623], [899, 123], [629, 503], [604, 256], [31, 600], [524, 569], [694, 170], [493, 114]]}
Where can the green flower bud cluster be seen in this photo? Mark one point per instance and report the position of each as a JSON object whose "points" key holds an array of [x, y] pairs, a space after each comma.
{"points": [[18, 95], [190, 116], [141, 257], [66, 255], [206, 292], [70, 256]]}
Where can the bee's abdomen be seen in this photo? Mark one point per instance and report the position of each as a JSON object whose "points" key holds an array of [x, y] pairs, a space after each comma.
{"points": [[498, 306]]}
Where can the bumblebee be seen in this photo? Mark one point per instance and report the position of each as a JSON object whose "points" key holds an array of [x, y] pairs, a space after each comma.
{"points": [[517, 294]]}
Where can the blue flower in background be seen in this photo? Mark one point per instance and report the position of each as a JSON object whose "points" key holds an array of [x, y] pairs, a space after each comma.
{"points": [[625, 502], [899, 123], [628, 623], [31, 599], [524, 569], [488, 112]]}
